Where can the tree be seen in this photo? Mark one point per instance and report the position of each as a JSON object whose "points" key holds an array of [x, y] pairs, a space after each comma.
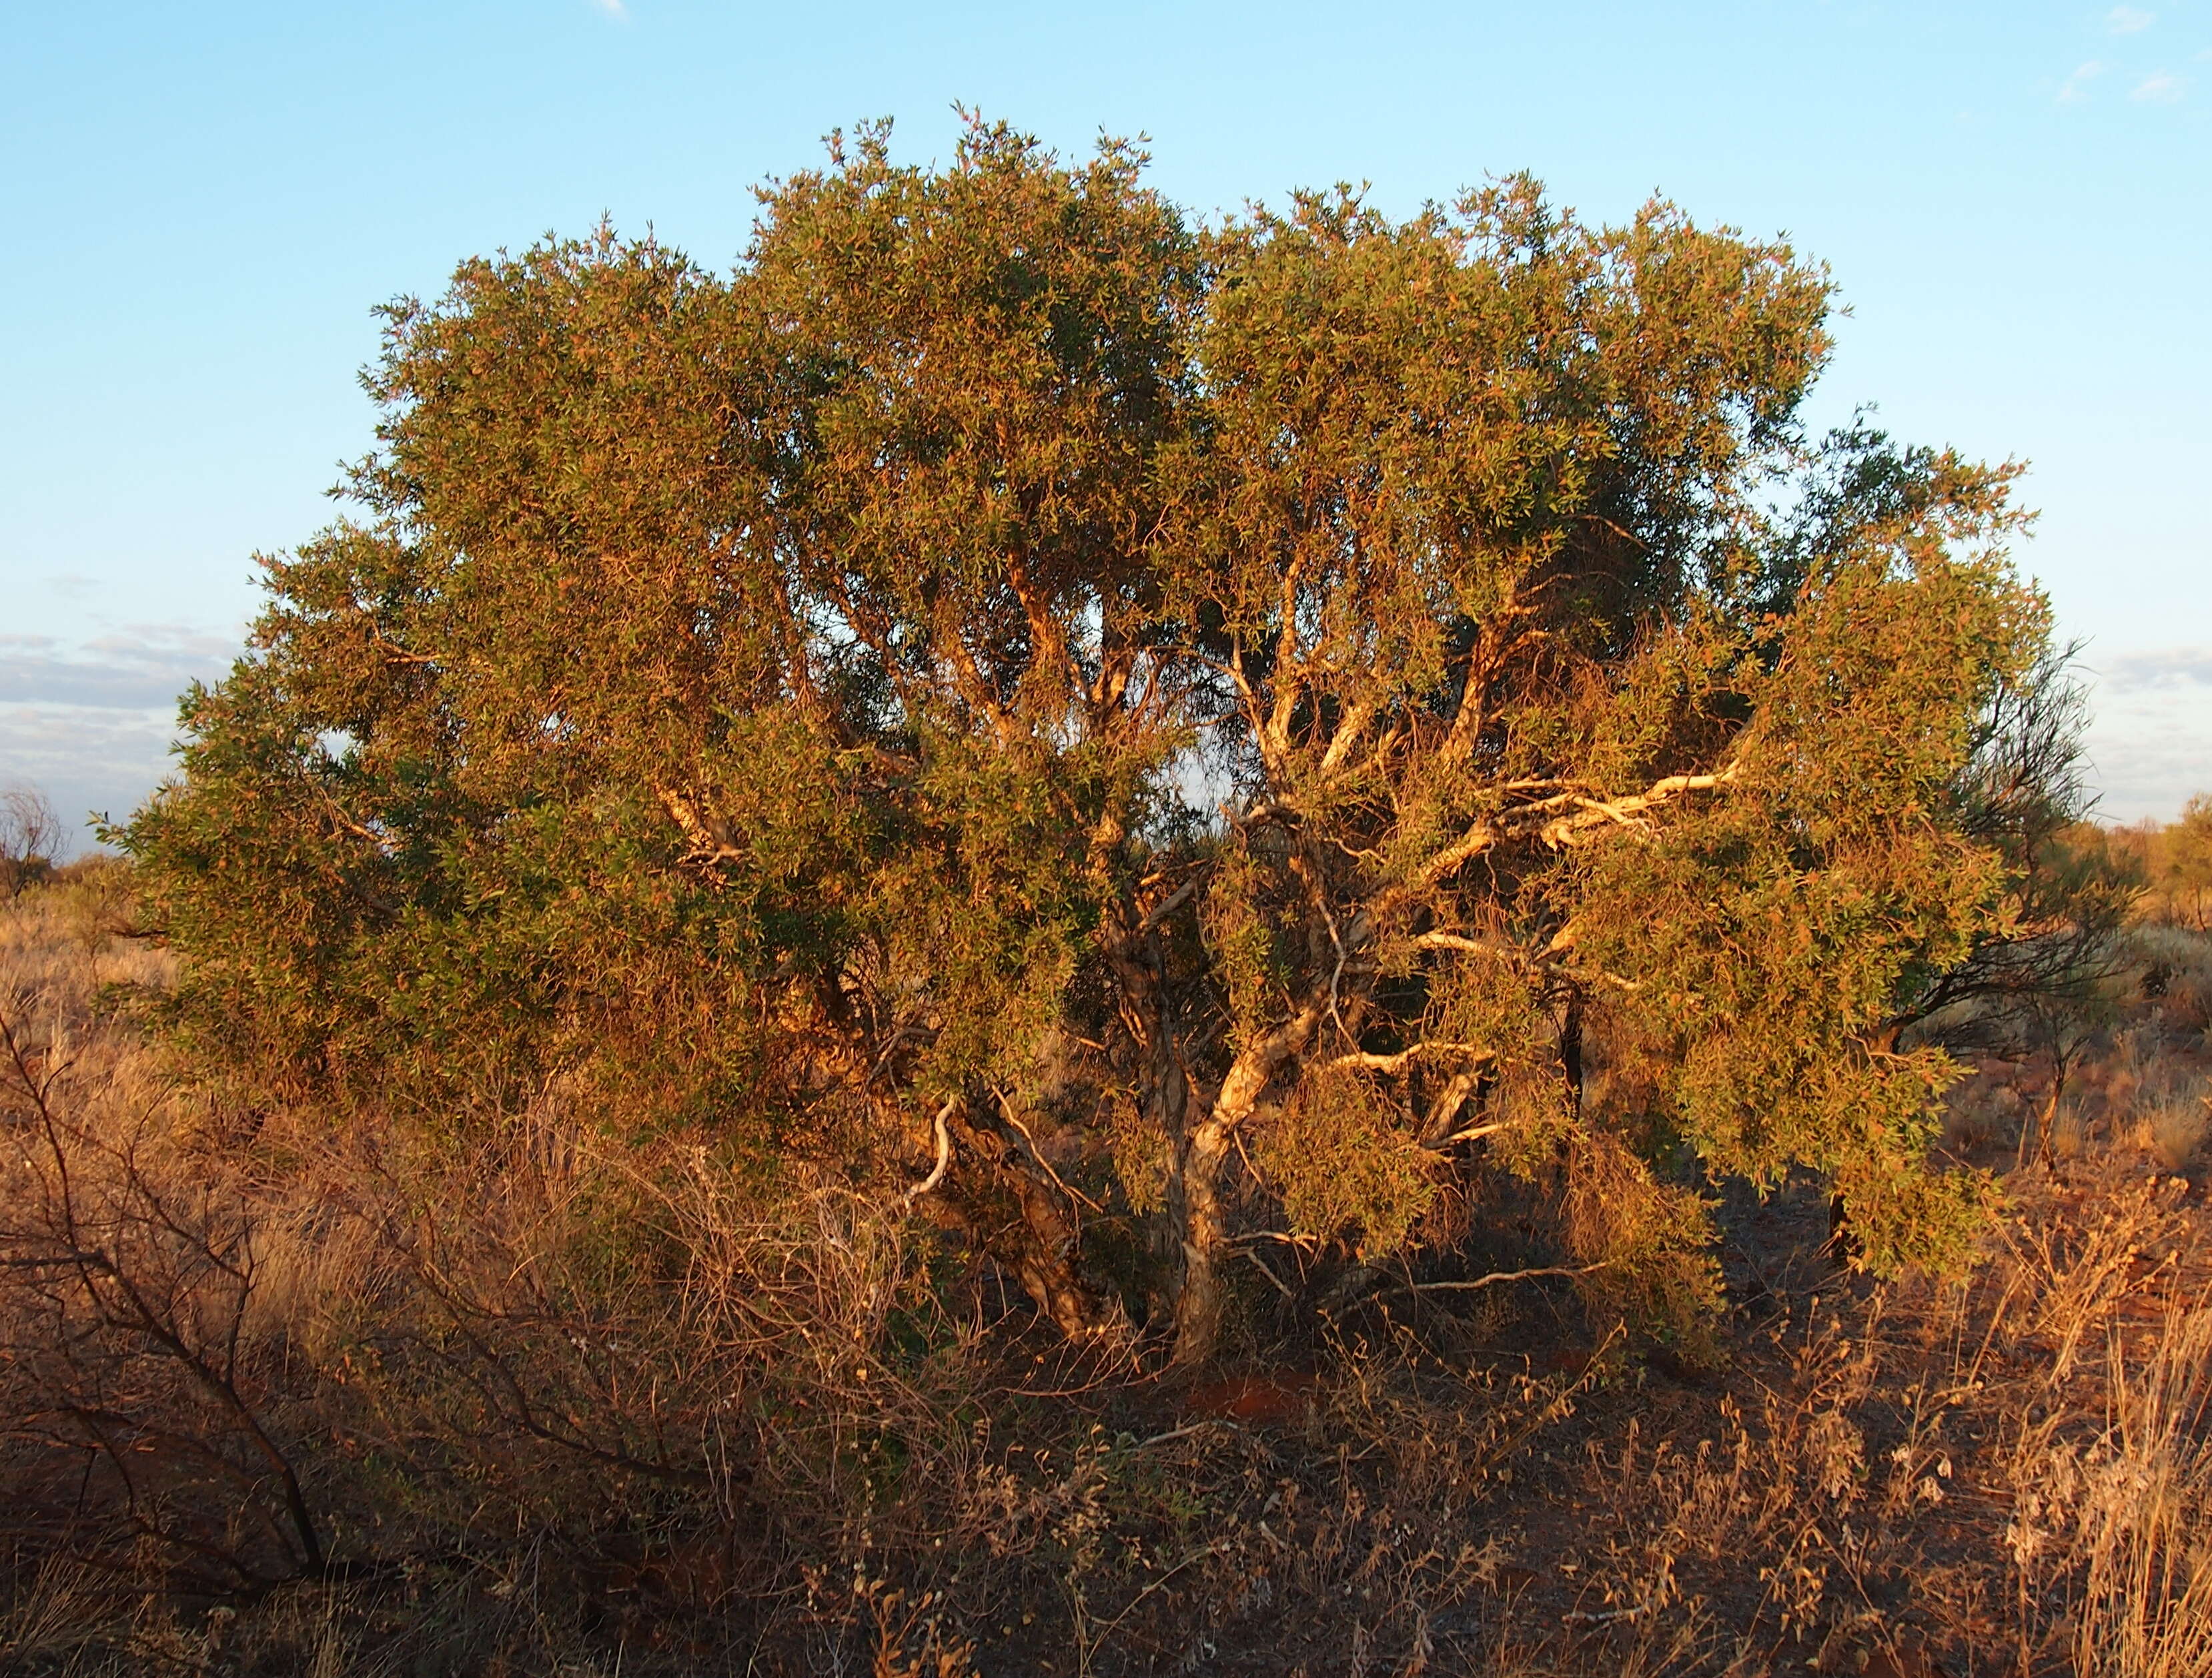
{"points": [[1246, 728], [2186, 861], [2022, 793], [29, 831]]}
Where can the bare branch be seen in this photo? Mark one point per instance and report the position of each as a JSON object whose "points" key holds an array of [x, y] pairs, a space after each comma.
{"points": [[1496, 1276], [943, 1154], [1473, 946], [706, 846], [1472, 1133], [1036, 1156], [1394, 1062], [1561, 831]]}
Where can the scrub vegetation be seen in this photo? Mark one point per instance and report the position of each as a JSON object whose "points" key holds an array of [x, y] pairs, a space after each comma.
{"points": [[1044, 939]]}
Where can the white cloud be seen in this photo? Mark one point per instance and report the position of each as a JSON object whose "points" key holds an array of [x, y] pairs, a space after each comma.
{"points": [[2150, 743], [2146, 760], [2075, 87], [91, 724], [2157, 668], [137, 670], [617, 8], [2127, 21], [86, 758], [2159, 88]]}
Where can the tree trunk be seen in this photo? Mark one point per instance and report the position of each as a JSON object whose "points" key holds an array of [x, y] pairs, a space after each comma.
{"points": [[1570, 1053], [1040, 1247], [1202, 1233], [1195, 1213]]}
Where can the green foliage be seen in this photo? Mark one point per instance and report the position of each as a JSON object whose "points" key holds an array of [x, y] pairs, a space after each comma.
{"points": [[1346, 1164], [1647, 1244], [1263, 701], [2184, 863]]}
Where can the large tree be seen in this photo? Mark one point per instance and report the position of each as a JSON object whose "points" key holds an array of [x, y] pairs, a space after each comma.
{"points": [[1247, 728]]}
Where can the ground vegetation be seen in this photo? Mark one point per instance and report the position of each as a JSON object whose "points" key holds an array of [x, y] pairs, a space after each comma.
{"points": [[287, 1395]]}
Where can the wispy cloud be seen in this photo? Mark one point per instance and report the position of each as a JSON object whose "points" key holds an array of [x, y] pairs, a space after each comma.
{"points": [[2159, 88], [617, 8], [2151, 741], [2127, 21], [2157, 667], [138, 670], [2075, 87], [91, 722]]}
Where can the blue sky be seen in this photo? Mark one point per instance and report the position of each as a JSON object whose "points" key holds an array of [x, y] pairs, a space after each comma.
{"points": [[203, 202]]}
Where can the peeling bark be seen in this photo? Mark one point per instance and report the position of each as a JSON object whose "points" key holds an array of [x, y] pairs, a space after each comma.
{"points": [[1195, 1212]]}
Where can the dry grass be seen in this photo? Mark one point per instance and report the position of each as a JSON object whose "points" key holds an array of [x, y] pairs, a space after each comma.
{"points": [[557, 1403]]}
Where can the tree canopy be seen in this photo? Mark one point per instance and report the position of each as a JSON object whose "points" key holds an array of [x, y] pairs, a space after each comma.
{"points": [[1205, 735]]}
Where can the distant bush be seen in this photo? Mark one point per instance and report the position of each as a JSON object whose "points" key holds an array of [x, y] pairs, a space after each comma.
{"points": [[30, 833], [2170, 863]]}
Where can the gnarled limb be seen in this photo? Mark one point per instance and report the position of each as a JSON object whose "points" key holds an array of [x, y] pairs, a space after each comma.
{"points": [[1562, 831], [1046, 1235], [1195, 1199]]}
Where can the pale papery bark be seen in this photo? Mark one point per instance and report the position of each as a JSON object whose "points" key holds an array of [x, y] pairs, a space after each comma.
{"points": [[1195, 1210]]}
